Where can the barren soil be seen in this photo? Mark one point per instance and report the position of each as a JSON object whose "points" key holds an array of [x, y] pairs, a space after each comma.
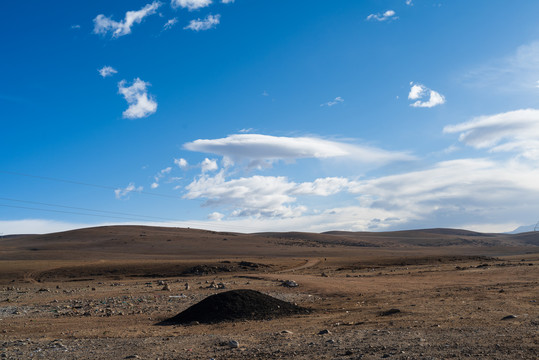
{"points": [[99, 293]]}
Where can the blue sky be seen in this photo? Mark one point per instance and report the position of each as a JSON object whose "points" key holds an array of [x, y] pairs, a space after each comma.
{"points": [[269, 114]]}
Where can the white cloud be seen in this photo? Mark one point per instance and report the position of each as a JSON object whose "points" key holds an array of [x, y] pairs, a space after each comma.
{"points": [[169, 24], [257, 196], [262, 150], [216, 216], [75, 26], [337, 100], [182, 163], [409, 3], [421, 93], [123, 193], [513, 131], [190, 4], [324, 186], [106, 71], [207, 23], [103, 24], [455, 192], [227, 1], [208, 165], [261, 196], [388, 15], [140, 103]]}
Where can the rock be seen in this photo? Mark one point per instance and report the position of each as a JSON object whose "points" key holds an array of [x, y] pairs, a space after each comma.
{"points": [[508, 317], [331, 341], [323, 332], [286, 332], [234, 344], [290, 283], [389, 312], [186, 286], [325, 275], [132, 357], [166, 287]]}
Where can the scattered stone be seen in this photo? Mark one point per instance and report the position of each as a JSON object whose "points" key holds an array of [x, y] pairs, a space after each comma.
{"points": [[289, 283], [286, 332], [132, 357], [234, 344], [389, 312], [187, 286], [331, 341], [166, 287], [325, 275], [508, 317], [324, 332]]}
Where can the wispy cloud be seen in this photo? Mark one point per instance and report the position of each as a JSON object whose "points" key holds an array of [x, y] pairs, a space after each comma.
{"points": [[190, 4], [456, 191], [124, 193], [106, 71], [140, 103], [425, 97], [517, 71], [227, 1], [336, 101], [388, 15], [170, 24], [159, 176], [209, 22], [104, 24], [409, 3], [513, 131], [262, 150], [75, 27]]}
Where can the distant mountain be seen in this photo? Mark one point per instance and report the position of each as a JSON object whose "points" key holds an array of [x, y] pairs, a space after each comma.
{"points": [[523, 229], [145, 242]]}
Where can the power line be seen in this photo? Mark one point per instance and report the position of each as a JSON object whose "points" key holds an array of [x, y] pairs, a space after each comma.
{"points": [[70, 212], [113, 213], [86, 209], [84, 184], [233, 228]]}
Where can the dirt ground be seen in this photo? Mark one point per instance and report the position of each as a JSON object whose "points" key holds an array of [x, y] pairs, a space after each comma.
{"points": [[396, 305]]}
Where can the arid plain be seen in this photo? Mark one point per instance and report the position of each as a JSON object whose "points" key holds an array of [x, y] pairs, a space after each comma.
{"points": [[98, 293]]}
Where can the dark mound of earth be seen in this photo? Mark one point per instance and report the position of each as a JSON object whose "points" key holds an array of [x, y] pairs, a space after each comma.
{"points": [[235, 305]]}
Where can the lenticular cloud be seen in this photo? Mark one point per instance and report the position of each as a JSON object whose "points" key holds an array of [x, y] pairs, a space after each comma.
{"points": [[264, 149]]}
